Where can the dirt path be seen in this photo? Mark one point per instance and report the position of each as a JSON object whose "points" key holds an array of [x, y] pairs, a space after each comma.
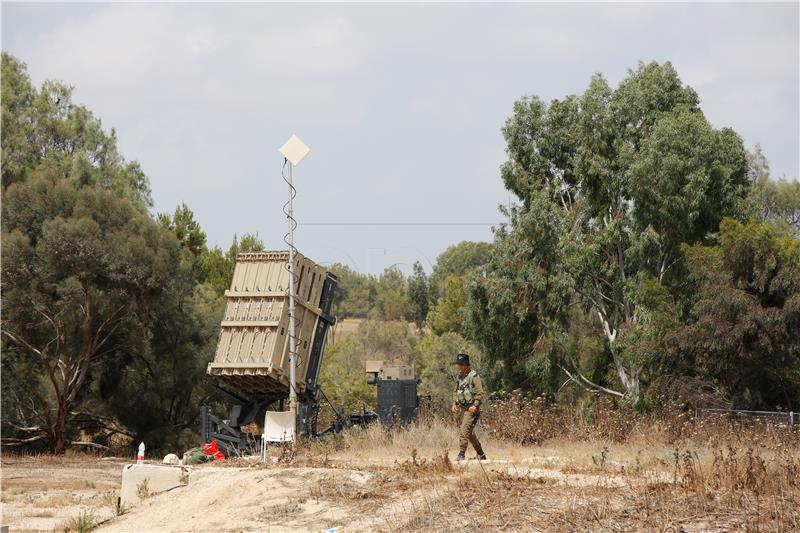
{"points": [[422, 494], [256, 499], [42, 493]]}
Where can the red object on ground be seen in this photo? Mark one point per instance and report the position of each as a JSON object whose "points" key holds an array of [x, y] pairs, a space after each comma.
{"points": [[210, 448]]}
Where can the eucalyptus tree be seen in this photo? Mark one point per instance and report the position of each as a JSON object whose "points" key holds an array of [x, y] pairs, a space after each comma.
{"points": [[612, 183], [456, 261]]}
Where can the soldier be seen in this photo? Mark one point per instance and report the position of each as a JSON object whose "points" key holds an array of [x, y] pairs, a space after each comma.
{"points": [[468, 399]]}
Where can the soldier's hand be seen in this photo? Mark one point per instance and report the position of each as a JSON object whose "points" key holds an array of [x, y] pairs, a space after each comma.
{"points": [[454, 408], [472, 409]]}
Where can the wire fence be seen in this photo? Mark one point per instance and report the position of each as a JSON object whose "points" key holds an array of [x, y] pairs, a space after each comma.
{"points": [[782, 418]]}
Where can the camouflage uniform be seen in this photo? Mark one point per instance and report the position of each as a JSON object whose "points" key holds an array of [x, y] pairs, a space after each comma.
{"points": [[469, 391]]}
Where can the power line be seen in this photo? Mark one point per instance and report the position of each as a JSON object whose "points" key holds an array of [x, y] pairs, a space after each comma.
{"points": [[401, 223]]}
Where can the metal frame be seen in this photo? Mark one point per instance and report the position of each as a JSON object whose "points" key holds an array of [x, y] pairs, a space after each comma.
{"points": [[780, 417]]}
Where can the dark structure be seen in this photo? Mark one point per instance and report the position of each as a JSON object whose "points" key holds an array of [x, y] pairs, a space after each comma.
{"points": [[396, 391]]}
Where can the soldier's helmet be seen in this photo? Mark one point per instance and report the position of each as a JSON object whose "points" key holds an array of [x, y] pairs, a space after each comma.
{"points": [[462, 359]]}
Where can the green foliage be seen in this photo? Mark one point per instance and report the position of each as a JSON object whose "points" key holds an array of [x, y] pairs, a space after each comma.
{"points": [[355, 293], [448, 313], [437, 370], [391, 298], [18, 115], [387, 297], [46, 134], [343, 368], [524, 294], [248, 243], [164, 386], [107, 330], [456, 261], [419, 295], [185, 228], [775, 200], [686, 177], [612, 182], [746, 316], [447, 284], [216, 269], [84, 270]]}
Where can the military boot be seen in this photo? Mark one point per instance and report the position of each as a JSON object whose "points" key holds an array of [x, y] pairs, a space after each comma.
{"points": [[461, 457], [481, 456]]}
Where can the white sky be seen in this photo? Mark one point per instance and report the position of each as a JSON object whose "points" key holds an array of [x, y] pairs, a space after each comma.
{"points": [[401, 105]]}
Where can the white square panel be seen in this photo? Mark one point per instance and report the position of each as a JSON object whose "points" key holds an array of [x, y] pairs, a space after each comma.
{"points": [[294, 150]]}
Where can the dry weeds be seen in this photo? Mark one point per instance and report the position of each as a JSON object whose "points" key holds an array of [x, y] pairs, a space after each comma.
{"points": [[550, 469], [654, 472]]}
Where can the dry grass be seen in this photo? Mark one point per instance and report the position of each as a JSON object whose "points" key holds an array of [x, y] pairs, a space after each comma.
{"points": [[565, 471], [56, 501], [83, 523], [550, 469]]}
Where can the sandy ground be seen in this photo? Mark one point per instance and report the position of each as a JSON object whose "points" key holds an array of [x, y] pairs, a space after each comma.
{"points": [[379, 487], [378, 494], [41, 493], [248, 499]]}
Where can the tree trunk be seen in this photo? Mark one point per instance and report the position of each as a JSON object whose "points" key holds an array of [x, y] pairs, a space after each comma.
{"points": [[628, 378], [58, 441]]}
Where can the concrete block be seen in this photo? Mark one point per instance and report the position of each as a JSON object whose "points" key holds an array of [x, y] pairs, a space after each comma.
{"points": [[141, 481]]}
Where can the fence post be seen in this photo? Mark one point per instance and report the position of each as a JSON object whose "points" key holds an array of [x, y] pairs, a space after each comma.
{"points": [[791, 419]]}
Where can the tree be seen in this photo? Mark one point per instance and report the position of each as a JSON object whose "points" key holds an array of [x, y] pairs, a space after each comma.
{"points": [[419, 295], [18, 118], [746, 316], [448, 313], [355, 293], [248, 243], [458, 260], [82, 267], [523, 298], [447, 284], [159, 395], [185, 228], [774, 200], [612, 183], [216, 269], [391, 298], [106, 330], [45, 133]]}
